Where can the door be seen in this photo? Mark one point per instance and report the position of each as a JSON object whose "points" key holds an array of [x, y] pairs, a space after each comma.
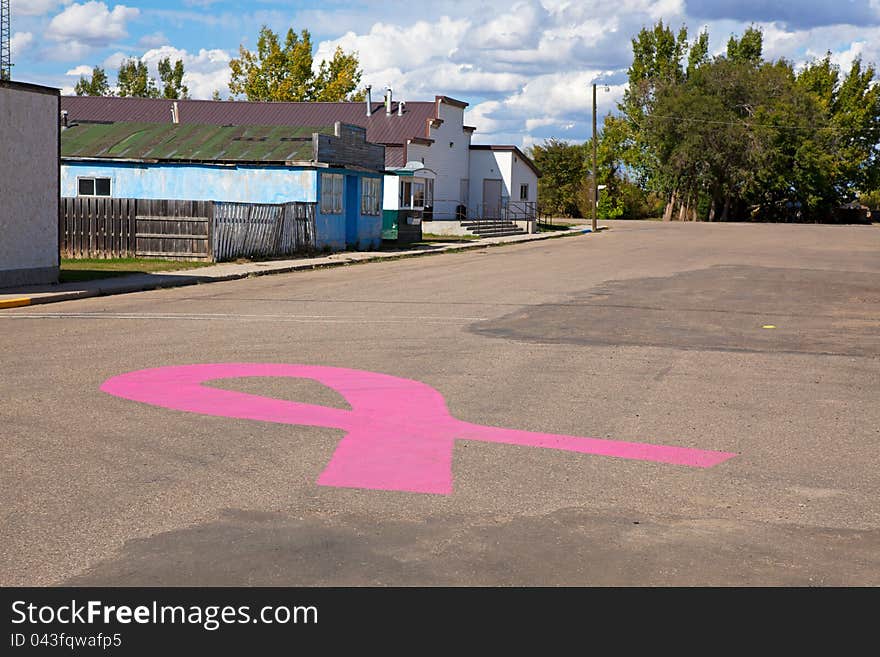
{"points": [[491, 198], [352, 209]]}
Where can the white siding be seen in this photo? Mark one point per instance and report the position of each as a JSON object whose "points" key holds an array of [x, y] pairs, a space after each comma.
{"points": [[506, 165], [450, 162], [493, 165], [522, 174]]}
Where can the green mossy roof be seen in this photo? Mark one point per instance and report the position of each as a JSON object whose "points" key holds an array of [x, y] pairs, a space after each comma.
{"points": [[189, 143]]}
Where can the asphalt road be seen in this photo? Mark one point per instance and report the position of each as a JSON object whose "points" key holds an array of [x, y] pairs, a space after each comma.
{"points": [[647, 332]]}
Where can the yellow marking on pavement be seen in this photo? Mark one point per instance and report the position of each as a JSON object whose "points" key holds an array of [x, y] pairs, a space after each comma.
{"points": [[15, 303], [768, 326]]}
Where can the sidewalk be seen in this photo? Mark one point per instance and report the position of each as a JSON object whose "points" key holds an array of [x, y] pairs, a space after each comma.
{"points": [[29, 296]]}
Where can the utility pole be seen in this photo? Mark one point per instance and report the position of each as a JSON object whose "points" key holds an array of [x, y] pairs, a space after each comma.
{"points": [[5, 51], [595, 176]]}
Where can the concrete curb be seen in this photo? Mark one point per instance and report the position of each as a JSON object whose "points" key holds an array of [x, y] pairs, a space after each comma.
{"points": [[109, 286]]}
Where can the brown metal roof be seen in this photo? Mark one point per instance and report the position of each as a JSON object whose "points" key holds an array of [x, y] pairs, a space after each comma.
{"points": [[381, 128]]}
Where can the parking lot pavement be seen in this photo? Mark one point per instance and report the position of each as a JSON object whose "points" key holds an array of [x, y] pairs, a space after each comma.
{"points": [[759, 341]]}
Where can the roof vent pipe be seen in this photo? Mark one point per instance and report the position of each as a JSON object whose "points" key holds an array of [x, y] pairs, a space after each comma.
{"points": [[388, 101], [400, 105], [369, 101], [175, 113]]}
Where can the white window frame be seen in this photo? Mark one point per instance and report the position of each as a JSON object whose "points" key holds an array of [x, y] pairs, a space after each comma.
{"points": [[429, 192], [331, 193], [524, 187], [408, 199], [94, 180], [371, 189]]}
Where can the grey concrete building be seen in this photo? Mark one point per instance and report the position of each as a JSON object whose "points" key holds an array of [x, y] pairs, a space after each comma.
{"points": [[29, 183]]}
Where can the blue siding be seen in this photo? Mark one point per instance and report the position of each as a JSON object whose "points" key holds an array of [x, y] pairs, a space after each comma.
{"points": [[244, 184], [196, 182], [330, 228]]}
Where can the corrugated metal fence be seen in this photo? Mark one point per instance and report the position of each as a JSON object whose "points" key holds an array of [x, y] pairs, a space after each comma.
{"points": [[189, 230], [243, 230]]}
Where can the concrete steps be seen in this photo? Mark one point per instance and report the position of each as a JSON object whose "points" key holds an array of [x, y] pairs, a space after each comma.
{"points": [[493, 228]]}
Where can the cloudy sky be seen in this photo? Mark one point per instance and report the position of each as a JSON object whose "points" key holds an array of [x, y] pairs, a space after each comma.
{"points": [[525, 66]]}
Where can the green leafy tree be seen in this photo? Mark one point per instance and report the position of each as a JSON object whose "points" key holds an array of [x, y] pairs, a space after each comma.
{"points": [[97, 85], [172, 79], [736, 136], [284, 72], [134, 80], [562, 167]]}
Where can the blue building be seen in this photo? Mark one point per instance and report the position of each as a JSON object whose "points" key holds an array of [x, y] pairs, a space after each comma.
{"points": [[333, 167]]}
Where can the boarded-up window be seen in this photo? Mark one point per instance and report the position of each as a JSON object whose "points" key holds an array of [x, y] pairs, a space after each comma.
{"points": [[331, 193], [93, 186], [370, 188]]}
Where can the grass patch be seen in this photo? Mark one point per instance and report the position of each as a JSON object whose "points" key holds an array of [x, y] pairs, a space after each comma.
{"points": [[430, 237], [88, 269]]}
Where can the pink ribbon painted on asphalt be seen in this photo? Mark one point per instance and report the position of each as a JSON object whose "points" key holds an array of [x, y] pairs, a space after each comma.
{"points": [[399, 434]]}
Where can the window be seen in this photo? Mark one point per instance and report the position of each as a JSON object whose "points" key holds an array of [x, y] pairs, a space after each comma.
{"points": [[418, 194], [406, 194], [93, 186], [412, 193], [429, 193], [331, 193], [370, 196], [523, 192]]}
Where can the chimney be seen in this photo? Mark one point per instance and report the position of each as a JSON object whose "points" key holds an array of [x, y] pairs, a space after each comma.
{"points": [[369, 101], [175, 113], [64, 120], [400, 105], [388, 101]]}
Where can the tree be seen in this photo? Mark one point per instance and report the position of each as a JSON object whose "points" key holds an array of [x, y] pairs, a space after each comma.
{"points": [[172, 79], [748, 49], [285, 72], [96, 86], [736, 136], [134, 80], [562, 167]]}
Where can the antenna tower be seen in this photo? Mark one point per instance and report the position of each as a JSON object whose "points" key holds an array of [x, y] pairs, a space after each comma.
{"points": [[5, 51]]}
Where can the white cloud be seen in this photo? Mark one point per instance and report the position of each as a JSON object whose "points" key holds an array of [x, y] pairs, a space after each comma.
{"points": [[20, 42], [82, 69], [91, 23], [204, 71], [388, 46]]}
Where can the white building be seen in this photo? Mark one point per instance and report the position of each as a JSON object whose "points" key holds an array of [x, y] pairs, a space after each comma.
{"points": [[29, 179]]}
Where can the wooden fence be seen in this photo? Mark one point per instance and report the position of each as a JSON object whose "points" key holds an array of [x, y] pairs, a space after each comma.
{"points": [[179, 230], [187, 230], [249, 230], [97, 227]]}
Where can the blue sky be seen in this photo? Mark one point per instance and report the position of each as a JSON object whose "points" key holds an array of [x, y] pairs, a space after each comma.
{"points": [[525, 66]]}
